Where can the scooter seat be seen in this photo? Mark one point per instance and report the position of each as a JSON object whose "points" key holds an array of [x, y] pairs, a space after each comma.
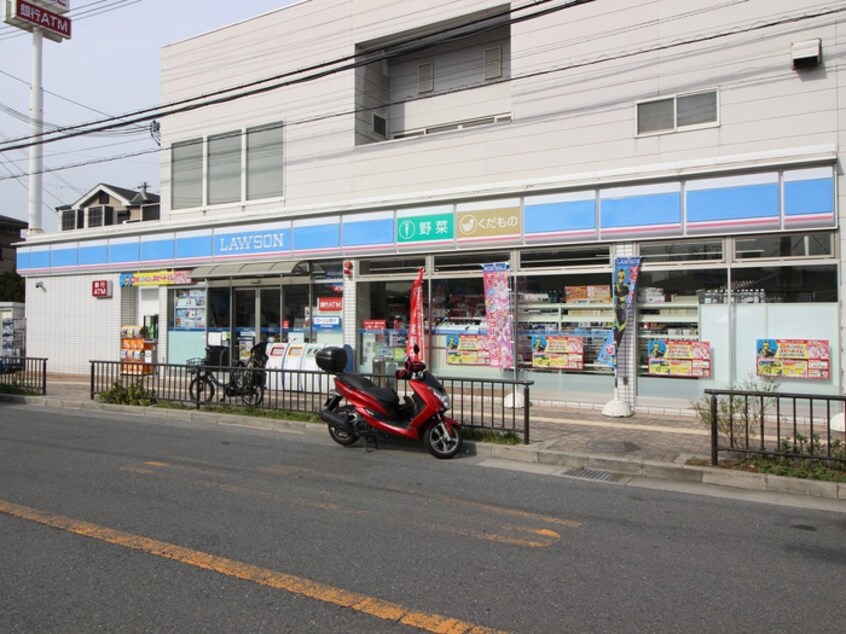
{"points": [[382, 394]]}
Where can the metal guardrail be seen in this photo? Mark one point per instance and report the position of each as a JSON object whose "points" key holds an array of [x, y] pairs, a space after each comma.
{"points": [[476, 403], [25, 373], [776, 424]]}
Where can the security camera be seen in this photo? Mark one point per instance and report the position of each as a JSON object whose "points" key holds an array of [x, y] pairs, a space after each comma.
{"points": [[39, 285]]}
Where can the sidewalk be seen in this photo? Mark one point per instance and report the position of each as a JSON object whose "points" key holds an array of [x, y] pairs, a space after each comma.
{"points": [[579, 441]]}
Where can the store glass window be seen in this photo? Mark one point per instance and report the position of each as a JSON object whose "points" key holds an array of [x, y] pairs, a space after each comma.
{"points": [[218, 310], [784, 284], [327, 313], [681, 317], [383, 312], [186, 174], [296, 311], [570, 257], [458, 304], [188, 309], [224, 166], [655, 252], [468, 262], [264, 162], [391, 266], [563, 321], [808, 245], [270, 320]]}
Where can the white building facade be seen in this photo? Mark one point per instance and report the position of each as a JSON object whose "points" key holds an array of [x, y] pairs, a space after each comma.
{"points": [[325, 152]]}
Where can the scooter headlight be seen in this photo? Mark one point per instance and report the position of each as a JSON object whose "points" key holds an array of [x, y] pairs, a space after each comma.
{"points": [[443, 397]]}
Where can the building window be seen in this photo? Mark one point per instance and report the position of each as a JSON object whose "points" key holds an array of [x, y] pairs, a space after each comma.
{"points": [[677, 113], [380, 126], [95, 217], [493, 63], [425, 77], [69, 220], [264, 162], [150, 212], [224, 165], [187, 174]]}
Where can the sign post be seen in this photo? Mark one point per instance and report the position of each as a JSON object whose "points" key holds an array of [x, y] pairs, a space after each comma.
{"points": [[43, 18]]}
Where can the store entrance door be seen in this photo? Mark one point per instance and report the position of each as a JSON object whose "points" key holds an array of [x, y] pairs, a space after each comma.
{"points": [[244, 325], [256, 318]]}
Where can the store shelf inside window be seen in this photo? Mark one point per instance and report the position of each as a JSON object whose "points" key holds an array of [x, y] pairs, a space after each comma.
{"points": [[565, 327]]}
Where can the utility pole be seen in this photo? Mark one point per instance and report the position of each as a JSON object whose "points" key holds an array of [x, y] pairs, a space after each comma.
{"points": [[36, 118]]}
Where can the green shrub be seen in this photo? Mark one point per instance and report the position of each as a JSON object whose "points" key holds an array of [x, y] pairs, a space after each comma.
{"points": [[133, 394], [490, 435], [17, 388], [738, 417]]}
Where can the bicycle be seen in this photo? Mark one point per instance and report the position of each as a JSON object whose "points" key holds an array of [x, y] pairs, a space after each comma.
{"points": [[246, 380]]}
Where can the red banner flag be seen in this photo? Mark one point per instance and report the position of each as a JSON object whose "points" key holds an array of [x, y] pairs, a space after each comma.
{"points": [[415, 320]]}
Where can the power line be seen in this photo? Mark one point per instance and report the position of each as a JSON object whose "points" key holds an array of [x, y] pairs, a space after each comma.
{"points": [[603, 59], [322, 69], [8, 32]]}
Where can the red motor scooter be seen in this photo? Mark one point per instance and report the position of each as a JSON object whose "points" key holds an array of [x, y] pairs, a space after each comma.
{"points": [[371, 409]]}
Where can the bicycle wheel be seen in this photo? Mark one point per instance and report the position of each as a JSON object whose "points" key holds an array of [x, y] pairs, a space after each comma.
{"points": [[253, 395], [201, 389]]}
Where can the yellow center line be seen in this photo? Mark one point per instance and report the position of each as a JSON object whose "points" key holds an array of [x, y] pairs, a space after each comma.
{"points": [[373, 606]]}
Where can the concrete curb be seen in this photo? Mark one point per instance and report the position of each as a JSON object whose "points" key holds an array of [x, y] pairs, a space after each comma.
{"points": [[536, 454], [665, 471]]}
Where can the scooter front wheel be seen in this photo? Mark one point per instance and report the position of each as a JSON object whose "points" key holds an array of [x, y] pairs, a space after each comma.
{"points": [[441, 441], [343, 436]]}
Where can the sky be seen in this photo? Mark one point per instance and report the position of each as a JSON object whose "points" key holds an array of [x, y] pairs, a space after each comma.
{"points": [[110, 66]]}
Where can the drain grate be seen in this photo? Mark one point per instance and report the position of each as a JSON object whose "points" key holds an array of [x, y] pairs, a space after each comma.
{"points": [[592, 474]]}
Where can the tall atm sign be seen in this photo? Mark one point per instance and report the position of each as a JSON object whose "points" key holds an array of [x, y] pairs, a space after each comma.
{"points": [[48, 15]]}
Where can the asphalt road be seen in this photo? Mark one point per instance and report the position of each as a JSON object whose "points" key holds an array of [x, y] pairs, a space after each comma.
{"points": [[133, 525]]}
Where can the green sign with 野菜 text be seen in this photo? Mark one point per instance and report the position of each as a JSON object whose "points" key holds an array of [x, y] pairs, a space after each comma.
{"points": [[426, 228]]}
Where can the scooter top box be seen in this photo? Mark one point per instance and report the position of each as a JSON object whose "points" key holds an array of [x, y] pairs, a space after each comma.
{"points": [[331, 359]]}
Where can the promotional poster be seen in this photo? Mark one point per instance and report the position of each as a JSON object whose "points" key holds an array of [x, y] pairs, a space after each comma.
{"points": [[626, 271], [498, 315]]}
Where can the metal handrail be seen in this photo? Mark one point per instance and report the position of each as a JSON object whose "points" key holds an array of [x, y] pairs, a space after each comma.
{"points": [[477, 403], [769, 423]]}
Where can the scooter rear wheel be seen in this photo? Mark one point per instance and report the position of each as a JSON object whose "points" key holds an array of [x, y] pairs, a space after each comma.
{"points": [[442, 442], [340, 436]]}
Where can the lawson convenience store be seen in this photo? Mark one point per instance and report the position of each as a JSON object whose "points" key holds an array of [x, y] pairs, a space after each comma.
{"points": [[727, 263]]}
